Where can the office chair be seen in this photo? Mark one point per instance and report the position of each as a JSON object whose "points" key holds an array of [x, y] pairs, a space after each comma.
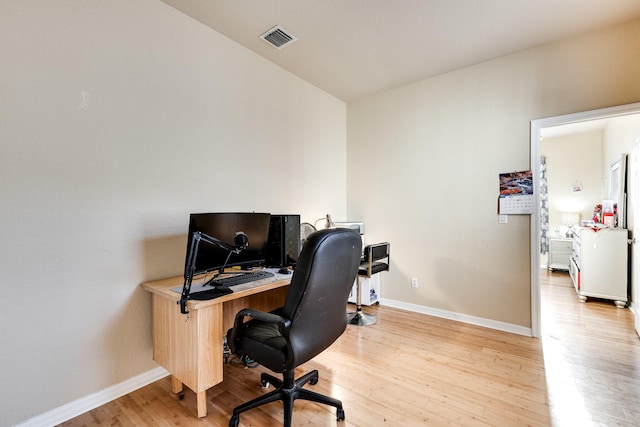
{"points": [[312, 318], [370, 266]]}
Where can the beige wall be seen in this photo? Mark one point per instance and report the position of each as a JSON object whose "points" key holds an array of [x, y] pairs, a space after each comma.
{"points": [[570, 159], [431, 152], [118, 119]]}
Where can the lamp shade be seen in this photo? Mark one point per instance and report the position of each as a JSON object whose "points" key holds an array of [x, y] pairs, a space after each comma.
{"points": [[570, 219]]}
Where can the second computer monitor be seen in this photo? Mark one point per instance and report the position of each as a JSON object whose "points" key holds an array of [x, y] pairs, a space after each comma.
{"points": [[284, 241]]}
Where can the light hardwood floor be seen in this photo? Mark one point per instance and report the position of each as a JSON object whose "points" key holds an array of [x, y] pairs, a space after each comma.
{"points": [[592, 358], [416, 370]]}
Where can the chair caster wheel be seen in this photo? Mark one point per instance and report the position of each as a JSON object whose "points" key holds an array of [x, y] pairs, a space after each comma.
{"points": [[234, 421], [265, 384], [340, 414], [314, 380]]}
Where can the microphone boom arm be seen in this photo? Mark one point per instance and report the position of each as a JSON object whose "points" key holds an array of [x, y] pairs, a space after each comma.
{"points": [[198, 237]]}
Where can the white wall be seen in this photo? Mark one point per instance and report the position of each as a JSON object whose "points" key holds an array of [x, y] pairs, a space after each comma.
{"points": [[619, 138], [432, 151], [118, 119]]}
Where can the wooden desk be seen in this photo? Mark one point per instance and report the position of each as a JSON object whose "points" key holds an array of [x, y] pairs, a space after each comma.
{"points": [[190, 346]]}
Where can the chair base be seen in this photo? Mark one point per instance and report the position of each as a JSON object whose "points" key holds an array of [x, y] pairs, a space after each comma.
{"points": [[287, 390], [361, 319]]}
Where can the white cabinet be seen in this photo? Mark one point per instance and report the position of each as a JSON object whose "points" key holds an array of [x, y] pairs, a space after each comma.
{"points": [[559, 253], [370, 290], [599, 264]]}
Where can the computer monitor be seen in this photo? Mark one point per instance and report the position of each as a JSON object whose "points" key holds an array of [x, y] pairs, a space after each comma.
{"points": [[223, 226]]}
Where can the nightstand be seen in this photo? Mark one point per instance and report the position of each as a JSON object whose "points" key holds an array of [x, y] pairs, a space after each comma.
{"points": [[559, 253]]}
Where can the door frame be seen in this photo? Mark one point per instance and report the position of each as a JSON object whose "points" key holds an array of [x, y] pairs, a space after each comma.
{"points": [[536, 131], [635, 255]]}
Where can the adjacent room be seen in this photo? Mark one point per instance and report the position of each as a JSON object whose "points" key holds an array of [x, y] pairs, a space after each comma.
{"points": [[120, 119]]}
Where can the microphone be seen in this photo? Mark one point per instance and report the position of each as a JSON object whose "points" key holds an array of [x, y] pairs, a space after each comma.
{"points": [[241, 241]]}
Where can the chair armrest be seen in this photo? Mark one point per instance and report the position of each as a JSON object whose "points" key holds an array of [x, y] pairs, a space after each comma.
{"points": [[262, 316]]}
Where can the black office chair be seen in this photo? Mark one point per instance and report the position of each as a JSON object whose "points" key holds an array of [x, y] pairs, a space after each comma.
{"points": [[372, 256], [312, 318]]}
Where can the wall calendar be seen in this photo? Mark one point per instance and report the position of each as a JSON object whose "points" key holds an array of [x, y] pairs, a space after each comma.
{"points": [[516, 193]]}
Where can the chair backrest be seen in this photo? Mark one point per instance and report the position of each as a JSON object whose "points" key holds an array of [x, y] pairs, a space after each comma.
{"points": [[317, 298], [376, 252], [372, 254]]}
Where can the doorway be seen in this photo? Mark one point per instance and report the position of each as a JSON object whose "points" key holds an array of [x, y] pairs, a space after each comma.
{"points": [[537, 129]]}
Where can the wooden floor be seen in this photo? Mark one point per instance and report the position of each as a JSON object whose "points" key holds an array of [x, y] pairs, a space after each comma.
{"points": [[592, 358], [415, 370]]}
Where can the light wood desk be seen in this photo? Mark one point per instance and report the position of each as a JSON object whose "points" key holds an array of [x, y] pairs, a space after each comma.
{"points": [[190, 346]]}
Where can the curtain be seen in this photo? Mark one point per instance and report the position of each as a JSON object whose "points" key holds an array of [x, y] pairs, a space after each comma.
{"points": [[544, 207]]}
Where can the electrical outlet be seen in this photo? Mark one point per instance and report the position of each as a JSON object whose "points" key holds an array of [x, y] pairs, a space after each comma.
{"points": [[414, 282]]}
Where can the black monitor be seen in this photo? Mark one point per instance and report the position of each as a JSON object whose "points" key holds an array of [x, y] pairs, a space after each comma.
{"points": [[223, 226]]}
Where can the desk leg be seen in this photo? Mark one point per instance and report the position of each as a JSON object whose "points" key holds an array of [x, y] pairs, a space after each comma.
{"points": [[201, 400], [201, 397], [190, 348], [176, 385]]}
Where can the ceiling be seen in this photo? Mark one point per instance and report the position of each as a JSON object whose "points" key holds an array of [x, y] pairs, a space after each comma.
{"points": [[353, 48]]}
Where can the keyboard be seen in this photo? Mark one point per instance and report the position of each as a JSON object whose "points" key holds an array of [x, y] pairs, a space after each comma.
{"points": [[241, 278]]}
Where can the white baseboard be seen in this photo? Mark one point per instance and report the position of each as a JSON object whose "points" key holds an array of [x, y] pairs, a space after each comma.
{"points": [[473, 320], [87, 403]]}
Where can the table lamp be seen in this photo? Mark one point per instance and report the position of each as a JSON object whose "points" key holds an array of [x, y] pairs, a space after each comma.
{"points": [[570, 219]]}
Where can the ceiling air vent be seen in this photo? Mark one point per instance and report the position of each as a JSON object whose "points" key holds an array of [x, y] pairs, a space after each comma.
{"points": [[278, 37]]}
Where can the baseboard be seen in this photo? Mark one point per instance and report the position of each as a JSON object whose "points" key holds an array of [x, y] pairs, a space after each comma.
{"points": [[473, 320], [87, 403]]}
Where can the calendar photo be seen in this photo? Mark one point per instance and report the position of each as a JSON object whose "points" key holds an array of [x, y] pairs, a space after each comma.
{"points": [[516, 193]]}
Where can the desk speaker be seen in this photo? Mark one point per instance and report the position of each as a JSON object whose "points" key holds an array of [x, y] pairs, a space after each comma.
{"points": [[283, 246]]}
